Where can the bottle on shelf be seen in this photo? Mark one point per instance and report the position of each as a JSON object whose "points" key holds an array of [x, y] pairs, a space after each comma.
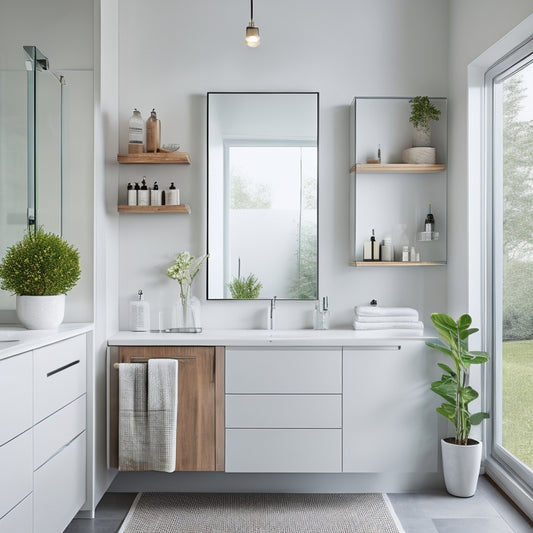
{"points": [[172, 196], [429, 223], [371, 249], [136, 133], [143, 195], [132, 195], [155, 195], [386, 250], [153, 133]]}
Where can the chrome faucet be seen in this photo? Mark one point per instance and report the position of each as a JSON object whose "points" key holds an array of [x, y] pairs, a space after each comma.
{"points": [[272, 314]]}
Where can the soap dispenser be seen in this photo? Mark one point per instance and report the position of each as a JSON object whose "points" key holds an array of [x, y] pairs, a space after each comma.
{"points": [[371, 249], [139, 313], [321, 314], [143, 195]]}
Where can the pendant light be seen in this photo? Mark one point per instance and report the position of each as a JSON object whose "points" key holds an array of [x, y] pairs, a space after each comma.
{"points": [[252, 38]]}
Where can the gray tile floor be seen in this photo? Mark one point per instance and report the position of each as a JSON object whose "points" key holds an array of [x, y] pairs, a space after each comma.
{"points": [[486, 512]]}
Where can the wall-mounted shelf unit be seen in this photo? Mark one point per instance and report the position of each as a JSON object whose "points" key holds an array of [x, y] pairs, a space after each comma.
{"points": [[180, 158], [392, 197], [184, 208], [395, 263], [397, 168]]}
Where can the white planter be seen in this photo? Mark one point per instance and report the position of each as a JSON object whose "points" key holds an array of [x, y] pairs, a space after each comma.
{"points": [[420, 155], [41, 312], [460, 465]]}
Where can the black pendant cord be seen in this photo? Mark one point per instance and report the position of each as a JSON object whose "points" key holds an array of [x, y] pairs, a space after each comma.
{"points": [[251, 9]]}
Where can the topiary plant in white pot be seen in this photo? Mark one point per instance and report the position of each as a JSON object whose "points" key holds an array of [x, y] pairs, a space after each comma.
{"points": [[461, 455], [40, 269]]}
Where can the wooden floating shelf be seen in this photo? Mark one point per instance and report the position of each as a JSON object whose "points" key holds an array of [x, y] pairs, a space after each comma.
{"points": [[395, 263], [184, 208], [397, 168], [157, 157]]}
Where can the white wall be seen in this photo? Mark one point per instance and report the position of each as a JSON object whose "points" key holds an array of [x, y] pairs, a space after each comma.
{"points": [[173, 52], [475, 26]]}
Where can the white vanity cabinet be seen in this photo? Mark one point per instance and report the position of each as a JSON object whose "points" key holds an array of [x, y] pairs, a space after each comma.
{"points": [[389, 419], [16, 472], [59, 372], [42, 437], [283, 409]]}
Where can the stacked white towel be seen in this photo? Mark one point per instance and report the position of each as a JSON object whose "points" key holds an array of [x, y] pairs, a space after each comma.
{"points": [[375, 318]]}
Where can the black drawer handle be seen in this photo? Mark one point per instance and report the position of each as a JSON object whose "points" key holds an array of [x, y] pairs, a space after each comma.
{"points": [[61, 368]]}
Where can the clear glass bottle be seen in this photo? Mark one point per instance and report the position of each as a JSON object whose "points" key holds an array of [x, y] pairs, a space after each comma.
{"points": [[136, 128], [139, 318]]}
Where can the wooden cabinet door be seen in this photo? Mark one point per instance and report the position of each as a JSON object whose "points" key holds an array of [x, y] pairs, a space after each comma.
{"points": [[200, 429]]}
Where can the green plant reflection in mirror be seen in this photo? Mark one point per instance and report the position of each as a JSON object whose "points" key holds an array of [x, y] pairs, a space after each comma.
{"points": [[262, 195]]}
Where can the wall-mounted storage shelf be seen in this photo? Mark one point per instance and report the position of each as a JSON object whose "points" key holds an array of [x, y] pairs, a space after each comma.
{"points": [[158, 157], [390, 198], [397, 168], [395, 263], [184, 208]]}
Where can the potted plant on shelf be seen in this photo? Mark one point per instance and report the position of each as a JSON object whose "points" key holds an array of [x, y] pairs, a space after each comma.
{"points": [[40, 269], [422, 113], [461, 455]]}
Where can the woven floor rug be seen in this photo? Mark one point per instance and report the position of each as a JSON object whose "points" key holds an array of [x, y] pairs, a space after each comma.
{"points": [[170, 512]]}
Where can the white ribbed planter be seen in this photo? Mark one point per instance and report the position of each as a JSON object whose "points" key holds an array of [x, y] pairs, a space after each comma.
{"points": [[460, 465], [41, 312]]}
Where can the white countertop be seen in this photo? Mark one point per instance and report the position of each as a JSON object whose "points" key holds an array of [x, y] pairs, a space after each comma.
{"points": [[263, 337], [15, 340]]}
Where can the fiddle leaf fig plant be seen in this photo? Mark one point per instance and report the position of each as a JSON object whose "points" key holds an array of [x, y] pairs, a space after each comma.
{"points": [[453, 385], [422, 113]]}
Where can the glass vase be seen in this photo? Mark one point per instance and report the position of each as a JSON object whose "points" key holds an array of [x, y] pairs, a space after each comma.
{"points": [[188, 313]]}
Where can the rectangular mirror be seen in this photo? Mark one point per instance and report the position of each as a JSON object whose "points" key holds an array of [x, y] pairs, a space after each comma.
{"points": [[262, 155]]}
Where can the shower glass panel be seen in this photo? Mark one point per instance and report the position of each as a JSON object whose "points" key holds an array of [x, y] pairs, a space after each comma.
{"points": [[31, 102], [13, 163]]}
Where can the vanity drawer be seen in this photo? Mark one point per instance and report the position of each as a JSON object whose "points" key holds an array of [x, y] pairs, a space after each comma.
{"points": [[19, 519], [59, 488], [283, 411], [283, 450], [54, 432], [15, 471], [284, 370], [59, 375], [16, 395]]}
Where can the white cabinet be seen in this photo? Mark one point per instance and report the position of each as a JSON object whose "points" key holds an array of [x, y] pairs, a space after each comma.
{"points": [[59, 488], [42, 437], [16, 392], [389, 419], [59, 372], [283, 409], [16, 472]]}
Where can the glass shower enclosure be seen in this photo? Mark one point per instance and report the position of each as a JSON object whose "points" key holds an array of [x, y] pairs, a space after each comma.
{"points": [[31, 105]]}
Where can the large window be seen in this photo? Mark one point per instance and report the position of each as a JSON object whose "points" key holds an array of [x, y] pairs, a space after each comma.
{"points": [[510, 86]]}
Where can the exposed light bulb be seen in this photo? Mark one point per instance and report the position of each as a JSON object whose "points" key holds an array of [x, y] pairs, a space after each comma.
{"points": [[252, 38]]}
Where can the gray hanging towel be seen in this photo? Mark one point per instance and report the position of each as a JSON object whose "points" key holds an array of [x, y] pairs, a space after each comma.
{"points": [[148, 415]]}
